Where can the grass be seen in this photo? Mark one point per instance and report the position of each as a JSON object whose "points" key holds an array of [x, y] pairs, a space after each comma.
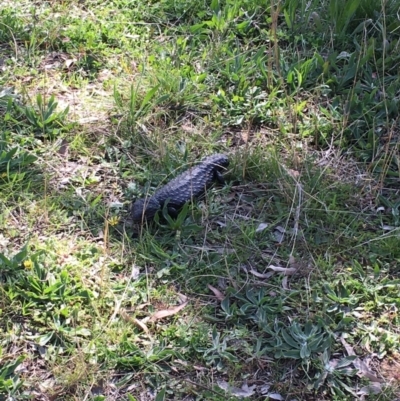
{"points": [[283, 284]]}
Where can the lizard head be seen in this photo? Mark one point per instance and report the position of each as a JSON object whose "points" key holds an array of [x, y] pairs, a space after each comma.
{"points": [[144, 209], [219, 160]]}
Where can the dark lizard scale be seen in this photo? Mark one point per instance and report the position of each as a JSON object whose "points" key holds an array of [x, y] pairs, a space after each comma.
{"points": [[186, 186]]}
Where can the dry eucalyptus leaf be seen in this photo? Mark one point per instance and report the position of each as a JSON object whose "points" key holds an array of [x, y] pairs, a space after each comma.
{"points": [[292, 261], [280, 229], [374, 388], [347, 346], [138, 323], [142, 306], [363, 369], [279, 233], [265, 388], [218, 294], [261, 275], [285, 283], [167, 312], [388, 228], [285, 270], [182, 297], [275, 396], [261, 227]]}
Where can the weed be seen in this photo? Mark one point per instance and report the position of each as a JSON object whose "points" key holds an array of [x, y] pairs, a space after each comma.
{"points": [[10, 383], [13, 162], [44, 119]]}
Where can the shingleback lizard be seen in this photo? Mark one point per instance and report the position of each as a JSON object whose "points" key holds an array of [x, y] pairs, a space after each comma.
{"points": [[186, 186]]}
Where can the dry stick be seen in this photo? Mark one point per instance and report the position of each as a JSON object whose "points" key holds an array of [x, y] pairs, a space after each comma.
{"points": [[297, 213], [387, 152], [298, 207], [105, 247]]}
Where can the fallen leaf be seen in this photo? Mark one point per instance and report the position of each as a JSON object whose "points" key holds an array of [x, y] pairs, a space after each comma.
{"points": [[222, 283], [142, 306], [167, 312], [275, 396], [135, 272], [244, 136], [221, 223], [182, 297], [293, 173], [188, 128], [279, 235], [41, 350], [285, 283], [265, 388], [363, 369], [261, 227], [349, 349], [218, 294], [70, 62], [141, 325], [63, 150], [46, 385], [134, 321], [184, 363], [244, 391], [388, 228], [285, 270], [374, 388], [261, 275], [223, 384], [292, 261], [222, 250]]}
